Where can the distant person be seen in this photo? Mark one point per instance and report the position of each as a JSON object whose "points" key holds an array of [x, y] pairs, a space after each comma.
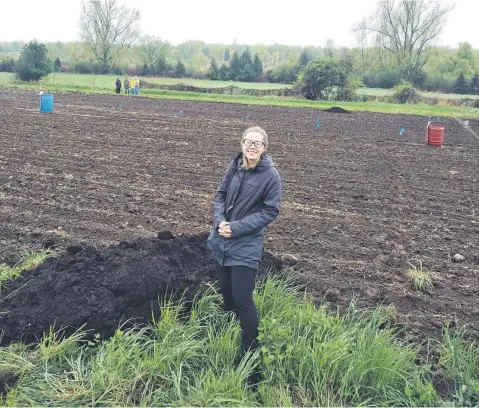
{"points": [[118, 85], [247, 200], [127, 86], [137, 86], [132, 85]]}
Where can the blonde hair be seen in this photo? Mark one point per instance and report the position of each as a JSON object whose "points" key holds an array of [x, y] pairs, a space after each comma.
{"points": [[254, 129]]}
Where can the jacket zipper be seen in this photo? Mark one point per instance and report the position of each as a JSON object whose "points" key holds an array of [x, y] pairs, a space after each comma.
{"points": [[235, 196]]}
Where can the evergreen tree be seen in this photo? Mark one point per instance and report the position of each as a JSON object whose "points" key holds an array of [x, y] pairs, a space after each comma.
{"points": [[246, 66], [145, 69], [180, 70], [461, 84], [304, 59], [57, 65], [474, 86], [226, 56], [235, 67], [257, 68], [33, 63], [213, 72], [223, 73], [159, 67]]}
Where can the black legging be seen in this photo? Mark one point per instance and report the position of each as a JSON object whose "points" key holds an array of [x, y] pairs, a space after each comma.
{"points": [[237, 285]]}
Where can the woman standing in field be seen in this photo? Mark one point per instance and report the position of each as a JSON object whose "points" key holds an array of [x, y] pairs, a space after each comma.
{"points": [[247, 200]]}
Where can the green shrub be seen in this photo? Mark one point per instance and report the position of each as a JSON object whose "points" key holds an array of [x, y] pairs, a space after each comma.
{"points": [[405, 92], [7, 65], [348, 92], [284, 74], [322, 79]]}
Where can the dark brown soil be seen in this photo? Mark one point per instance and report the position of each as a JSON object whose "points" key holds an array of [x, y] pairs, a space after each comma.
{"points": [[6, 382], [361, 202]]}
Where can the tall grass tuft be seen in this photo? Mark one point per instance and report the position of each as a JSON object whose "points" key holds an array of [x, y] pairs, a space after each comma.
{"points": [[459, 365], [333, 360], [420, 279]]}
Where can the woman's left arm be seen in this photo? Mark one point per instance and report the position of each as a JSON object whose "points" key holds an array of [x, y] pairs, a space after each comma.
{"points": [[262, 218]]}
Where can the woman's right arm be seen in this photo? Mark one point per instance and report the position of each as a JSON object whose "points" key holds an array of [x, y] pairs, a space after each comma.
{"points": [[220, 197]]}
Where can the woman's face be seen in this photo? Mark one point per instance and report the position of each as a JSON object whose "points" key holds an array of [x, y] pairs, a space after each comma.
{"points": [[253, 146]]}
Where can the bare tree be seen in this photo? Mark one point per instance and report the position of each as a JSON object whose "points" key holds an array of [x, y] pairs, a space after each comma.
{"points": [[153, 48], [79, 51], [329, 48], [406, 29], [108, 28], [362, 39]]}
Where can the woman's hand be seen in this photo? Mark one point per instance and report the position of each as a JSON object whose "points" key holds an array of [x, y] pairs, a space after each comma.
{"points": [[224, 229]]}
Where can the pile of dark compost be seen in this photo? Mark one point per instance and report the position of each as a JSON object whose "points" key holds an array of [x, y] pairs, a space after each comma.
{"points": [[103, 287], [336, 109]]}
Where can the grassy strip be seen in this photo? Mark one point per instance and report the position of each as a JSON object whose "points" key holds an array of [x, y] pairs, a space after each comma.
{"points": [[309, 357], [410, 109], [430, 95], [108, 81], [28, 261]]}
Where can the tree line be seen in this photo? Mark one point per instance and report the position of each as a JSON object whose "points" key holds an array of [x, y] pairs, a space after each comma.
{"points": [[397, 42], [240, 68], [447, 71]]}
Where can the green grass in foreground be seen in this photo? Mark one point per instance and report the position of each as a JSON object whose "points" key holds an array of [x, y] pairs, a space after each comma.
{"points": [[309, 357], [29, 260]]}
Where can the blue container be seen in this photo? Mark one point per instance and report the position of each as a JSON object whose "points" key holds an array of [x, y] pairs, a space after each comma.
{"points": [[46, 103]]}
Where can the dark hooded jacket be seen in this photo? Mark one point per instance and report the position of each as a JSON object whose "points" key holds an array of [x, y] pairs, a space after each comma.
{"points": [[249, 200]]}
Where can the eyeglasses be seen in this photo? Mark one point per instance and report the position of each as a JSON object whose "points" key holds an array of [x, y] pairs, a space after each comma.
{"points": [[249, 143]]}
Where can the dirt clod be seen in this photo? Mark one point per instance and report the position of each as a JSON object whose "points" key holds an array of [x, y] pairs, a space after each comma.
{"points": [[165, 235], [289, 259]]}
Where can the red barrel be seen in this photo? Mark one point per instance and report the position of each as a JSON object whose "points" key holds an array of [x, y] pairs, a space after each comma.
{"points": [[435, 135]]}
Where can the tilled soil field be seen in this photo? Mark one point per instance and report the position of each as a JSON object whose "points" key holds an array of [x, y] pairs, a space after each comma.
{"points": [[103, 174]]}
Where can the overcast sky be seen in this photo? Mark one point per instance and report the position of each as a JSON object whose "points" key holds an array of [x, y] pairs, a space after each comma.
{"points": [[298, 22]]}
